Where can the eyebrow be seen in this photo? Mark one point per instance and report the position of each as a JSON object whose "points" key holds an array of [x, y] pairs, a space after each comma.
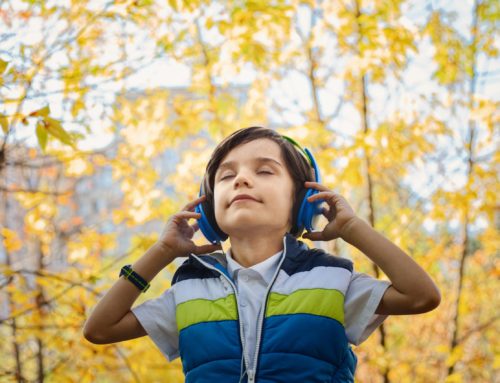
{"points": [[228, 164]]}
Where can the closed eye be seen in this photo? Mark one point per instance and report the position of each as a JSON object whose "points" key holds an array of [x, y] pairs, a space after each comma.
{"points": [[262, 172]]}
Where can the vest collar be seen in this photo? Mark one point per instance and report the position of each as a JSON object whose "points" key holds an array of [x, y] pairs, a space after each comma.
{"points": [[294, 250]]}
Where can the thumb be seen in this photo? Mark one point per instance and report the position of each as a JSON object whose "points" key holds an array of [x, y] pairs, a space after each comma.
{"points": [[205, 249], [313, 235]]}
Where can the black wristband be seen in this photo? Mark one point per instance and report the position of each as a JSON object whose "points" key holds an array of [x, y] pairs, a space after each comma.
{"points": [[135, 278]]}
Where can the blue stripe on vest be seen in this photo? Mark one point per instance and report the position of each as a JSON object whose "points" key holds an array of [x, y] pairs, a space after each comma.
{"points": [[317, 336], [207, 342], [305, 348], [217, 371]]}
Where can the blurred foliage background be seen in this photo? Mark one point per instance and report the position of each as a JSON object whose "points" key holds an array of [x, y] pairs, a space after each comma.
{"points": [[101, 142]]}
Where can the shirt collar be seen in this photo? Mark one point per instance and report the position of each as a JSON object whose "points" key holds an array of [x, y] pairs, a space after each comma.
{"points": [[265, 268]]}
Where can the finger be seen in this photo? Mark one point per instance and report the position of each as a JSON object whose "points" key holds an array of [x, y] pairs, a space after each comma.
{"points": [[195, 226], [188, 215], [191, 205], [325, 212], [332, 213], [322, 210], [316, 185], [329, 195], [204, 249], [314, 235]]}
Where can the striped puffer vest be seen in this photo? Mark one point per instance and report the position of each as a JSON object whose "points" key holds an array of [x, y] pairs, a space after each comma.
{"points": [[300, 335]]}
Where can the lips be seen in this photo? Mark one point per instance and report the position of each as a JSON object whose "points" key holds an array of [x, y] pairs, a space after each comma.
{"points": [[243, 196]]}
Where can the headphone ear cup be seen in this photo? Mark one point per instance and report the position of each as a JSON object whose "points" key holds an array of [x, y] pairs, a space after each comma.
{"points": [[297, 227], [309, 211], [209, 213], [207, 224]]}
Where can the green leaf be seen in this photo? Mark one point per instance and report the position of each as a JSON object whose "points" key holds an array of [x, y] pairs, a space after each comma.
{"points": [[41, 134]]}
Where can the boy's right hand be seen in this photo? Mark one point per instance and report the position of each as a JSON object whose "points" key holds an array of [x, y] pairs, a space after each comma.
{"points": [[177, 234]]}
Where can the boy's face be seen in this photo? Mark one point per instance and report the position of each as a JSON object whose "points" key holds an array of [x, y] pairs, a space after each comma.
{"points": [[268, 182]]}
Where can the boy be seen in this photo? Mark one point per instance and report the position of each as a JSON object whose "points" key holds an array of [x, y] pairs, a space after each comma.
{"points": [[270, 308]]}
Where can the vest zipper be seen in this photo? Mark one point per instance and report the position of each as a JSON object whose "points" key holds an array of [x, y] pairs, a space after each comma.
{"points": [[251, 376], [261, 316], [242, 336]]}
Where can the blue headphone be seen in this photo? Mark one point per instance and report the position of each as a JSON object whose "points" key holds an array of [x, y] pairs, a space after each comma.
{"points": [[306, 218]]}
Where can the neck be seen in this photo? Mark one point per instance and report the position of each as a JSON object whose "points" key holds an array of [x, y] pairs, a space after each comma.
{"points": [[249, 251]]}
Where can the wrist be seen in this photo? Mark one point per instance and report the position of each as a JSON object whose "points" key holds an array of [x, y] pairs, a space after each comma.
{"points": [[155, 259], [135, 278], [165, 252], [349, 229]]}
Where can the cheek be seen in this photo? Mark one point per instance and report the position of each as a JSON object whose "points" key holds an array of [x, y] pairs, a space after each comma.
{"points": [[216, 195], [216, 191], [217, 200]]}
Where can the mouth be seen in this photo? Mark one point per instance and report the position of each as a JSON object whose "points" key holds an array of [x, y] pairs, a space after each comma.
{"points": [[245, 199]]}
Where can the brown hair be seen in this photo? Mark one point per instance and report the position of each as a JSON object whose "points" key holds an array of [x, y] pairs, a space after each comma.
{"points": [[297, 165]]}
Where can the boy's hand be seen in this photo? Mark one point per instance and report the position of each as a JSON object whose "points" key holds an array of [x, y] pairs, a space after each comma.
{"points": [[339, 214], [177, 234]]}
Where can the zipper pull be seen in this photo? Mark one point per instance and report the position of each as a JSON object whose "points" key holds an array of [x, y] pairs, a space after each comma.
{"points": [[251, 376]]}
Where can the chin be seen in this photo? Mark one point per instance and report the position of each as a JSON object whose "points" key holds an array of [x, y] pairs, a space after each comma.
{"points": [[240, 224]]}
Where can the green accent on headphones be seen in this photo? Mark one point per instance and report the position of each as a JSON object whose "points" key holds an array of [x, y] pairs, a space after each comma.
{"points": [[300, 147]]}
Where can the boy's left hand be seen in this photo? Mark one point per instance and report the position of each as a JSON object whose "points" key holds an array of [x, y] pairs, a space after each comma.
{"points": [[339, 213]]}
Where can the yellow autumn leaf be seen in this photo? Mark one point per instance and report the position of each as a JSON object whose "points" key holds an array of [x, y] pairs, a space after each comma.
{"points": [[78, 167], [456, 377], [3, 66], [353, 172], [455, 355], [41, 134], [4, 123], [7, 271], [43, 112], [11, 240], [442, 348]]}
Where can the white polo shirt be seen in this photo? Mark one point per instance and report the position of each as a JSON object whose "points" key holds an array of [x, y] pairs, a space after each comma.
{"points": [[252, 283]]}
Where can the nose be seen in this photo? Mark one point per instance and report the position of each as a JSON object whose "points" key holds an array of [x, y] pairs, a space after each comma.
{"points": [[241, 178]]}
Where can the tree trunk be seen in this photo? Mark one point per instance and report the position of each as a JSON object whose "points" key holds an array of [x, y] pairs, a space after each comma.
{"points": [[15, 346], [40, 303], [364, 111], [470, 169]]}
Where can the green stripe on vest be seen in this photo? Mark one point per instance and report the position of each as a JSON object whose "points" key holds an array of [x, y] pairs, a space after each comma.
{"points": [[324, 302], [205, 310]]}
